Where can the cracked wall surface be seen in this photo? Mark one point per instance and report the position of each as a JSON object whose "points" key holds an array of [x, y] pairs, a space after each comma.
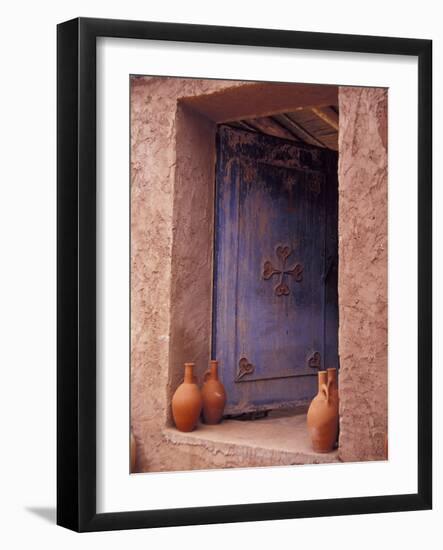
{"points": [[363, 275]]}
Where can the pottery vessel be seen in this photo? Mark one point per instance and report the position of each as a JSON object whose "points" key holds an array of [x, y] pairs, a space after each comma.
{"points": [[322, 418], [214, 395], [133, 452], [187, 402]]}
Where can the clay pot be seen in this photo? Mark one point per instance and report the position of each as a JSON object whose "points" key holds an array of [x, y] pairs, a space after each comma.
{"points": [[187, 402], [213, 394], [322, 417], [133, 452]]}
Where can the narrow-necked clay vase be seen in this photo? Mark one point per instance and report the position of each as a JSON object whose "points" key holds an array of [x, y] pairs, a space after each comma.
{"points": [[322, 418], [187, 402], [213, 394], [133, 452]]}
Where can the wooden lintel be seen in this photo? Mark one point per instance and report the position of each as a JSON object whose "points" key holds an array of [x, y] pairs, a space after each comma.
{"points": [[259, 99]]}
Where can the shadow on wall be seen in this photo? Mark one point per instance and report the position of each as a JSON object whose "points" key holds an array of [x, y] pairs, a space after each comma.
{"points": [[46, 513]]}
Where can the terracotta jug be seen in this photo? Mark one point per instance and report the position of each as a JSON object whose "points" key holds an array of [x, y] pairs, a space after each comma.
{"points": [[322, 417], [213, 394], [187, 402]]}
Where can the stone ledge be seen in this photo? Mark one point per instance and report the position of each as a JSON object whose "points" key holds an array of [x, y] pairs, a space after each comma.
{"points": [[276, 440]]}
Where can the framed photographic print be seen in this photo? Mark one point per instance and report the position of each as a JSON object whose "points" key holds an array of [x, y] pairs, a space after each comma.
{"points": [[244, 274]]}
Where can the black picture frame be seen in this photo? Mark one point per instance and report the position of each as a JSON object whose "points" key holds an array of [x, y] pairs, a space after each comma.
{"points": [[76, 273]]}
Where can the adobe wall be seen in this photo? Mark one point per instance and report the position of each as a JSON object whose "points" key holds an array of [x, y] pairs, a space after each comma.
{"points": [[363, 276], [153, 183]]}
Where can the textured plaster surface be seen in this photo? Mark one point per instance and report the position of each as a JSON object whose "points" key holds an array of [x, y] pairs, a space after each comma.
{"points": [[363, 218], [191, 288], [154, 180]]}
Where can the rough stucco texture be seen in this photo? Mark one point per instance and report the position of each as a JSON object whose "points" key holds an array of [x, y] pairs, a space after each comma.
{"points": [[363, 219], [153, 175], [191, 289]]}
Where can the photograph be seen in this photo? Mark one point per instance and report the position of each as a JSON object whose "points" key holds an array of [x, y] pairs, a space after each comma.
{"points": [[258, 274], [222, 319]]}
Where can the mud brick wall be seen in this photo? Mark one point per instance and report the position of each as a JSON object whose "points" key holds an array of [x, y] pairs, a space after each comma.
{"points": [[157, 296], [363, 219]]}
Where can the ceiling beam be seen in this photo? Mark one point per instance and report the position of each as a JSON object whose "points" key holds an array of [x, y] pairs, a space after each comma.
{"points": [[299, 130], [270, 126], [327, 115]]}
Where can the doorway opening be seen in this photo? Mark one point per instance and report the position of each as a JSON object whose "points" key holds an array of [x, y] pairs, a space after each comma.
{"points": [[275, 299], [254, 262]]}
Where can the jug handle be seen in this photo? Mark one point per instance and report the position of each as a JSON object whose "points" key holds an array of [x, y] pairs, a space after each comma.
{"points": [[325, 390], [206, 375]]}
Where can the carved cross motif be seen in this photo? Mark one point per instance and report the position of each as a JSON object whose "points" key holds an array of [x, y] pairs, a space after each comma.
{"points": [[283, 253]]}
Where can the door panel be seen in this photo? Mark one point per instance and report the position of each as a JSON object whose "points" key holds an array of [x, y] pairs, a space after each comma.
{"points": [[273, 214]]}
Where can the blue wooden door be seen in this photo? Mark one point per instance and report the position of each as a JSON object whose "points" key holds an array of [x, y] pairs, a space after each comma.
{"points": [[275, 269]]}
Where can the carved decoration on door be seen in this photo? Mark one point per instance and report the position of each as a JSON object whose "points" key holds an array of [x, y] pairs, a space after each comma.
{"points": [[269, 270], [244, 368], [314, 360]]}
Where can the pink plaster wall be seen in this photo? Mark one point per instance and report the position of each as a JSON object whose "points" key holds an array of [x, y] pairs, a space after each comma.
{"points": [[363, 308], [153, 181]]}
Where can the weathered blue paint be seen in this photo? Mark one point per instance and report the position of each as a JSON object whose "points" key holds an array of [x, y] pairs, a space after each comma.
{"points": [[275, 282]]}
